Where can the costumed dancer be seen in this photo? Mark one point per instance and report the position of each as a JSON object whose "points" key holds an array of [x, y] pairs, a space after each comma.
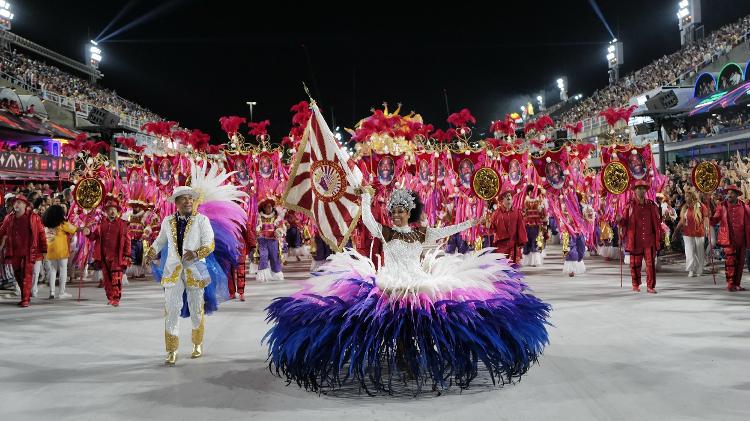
{"points": [[576, 250], [320, 254], [136, 226], [294, 241], [606, 238], [111, 250], [534, 216], [508, 228], [22, 237], [269, 248], [58, 232], [694, 224], [238, 275], [642, 226], [199, 248], [733, 218], [430, 324]]}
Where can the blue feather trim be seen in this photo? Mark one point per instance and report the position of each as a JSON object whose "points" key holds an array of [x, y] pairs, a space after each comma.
{"points": [[323, 343]]}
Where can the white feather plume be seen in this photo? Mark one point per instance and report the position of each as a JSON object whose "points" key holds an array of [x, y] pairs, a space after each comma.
{"points": [[210, 183]]}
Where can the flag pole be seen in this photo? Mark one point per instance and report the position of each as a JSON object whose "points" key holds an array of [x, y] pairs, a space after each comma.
{"points": [[307, 91]]}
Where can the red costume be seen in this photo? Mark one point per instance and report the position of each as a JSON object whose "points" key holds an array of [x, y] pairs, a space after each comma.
{"points": [[509, 232], [112, 253], [239, 273], [642, 242], [24, 238], [734, 237]]}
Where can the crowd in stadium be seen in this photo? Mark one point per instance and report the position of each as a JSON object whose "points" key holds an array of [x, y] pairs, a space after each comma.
{"points": [[47, 78], [664, 71], [712, 126]]}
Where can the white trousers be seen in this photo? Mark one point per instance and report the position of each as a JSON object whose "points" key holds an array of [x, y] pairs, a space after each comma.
{"points": [[173, 305], [36, 275], [34, 279], [695, 254], [55, 267]]}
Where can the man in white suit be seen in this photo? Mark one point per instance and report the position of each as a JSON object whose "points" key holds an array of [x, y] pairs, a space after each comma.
{"points": [[189, 238]]}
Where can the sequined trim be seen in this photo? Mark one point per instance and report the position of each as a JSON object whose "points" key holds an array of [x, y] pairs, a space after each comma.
{"points": [[171, 279], [198, 333], [195, 283], [173, 228], [172, 342], [204, 251]]}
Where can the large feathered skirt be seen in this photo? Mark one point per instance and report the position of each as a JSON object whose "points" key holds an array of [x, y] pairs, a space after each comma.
{"points": [[474, 318]]}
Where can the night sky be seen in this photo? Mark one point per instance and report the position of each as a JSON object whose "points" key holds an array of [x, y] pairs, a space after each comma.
{"points": [[195, 61]]}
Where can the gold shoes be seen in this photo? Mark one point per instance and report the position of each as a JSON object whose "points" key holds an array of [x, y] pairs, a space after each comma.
{"points": [[172, 342], [197, 351]]}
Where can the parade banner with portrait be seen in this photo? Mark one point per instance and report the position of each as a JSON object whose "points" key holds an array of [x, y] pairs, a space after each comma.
{"points": [[164, 167], [425, 168], [243, 165], [514, 166], [386, 169], [464, 166], [551, 167]]}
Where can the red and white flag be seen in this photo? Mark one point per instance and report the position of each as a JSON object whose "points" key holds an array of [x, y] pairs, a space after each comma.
{"points": [[322, 182]]}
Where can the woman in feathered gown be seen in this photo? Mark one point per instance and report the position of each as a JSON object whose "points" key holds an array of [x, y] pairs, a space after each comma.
{"points": [[433, 322]]}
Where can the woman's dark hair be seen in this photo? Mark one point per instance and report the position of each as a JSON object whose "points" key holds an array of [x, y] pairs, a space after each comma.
{"points": [[415, 213], [38, 202], [53, 216]]}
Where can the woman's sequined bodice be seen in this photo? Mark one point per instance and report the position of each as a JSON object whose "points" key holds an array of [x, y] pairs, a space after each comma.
{"points": [[402, 250]]}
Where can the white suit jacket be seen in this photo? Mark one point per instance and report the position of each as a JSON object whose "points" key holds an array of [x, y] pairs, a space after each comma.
{"points": [[199, 237]]}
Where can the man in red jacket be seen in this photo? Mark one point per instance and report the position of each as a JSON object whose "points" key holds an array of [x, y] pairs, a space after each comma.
{"points": [[733, 217], [22, 237], [643, 227], [508, 227], [112, 249]]}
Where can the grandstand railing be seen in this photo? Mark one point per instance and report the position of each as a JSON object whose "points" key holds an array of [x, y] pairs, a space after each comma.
{"points": [[80, 108]]}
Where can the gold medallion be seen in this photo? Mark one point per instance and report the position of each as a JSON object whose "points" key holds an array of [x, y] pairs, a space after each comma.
{"points": [[616, 178], [486, 183]]}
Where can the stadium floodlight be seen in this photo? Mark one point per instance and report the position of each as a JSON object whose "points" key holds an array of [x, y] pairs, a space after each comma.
{"points": [[6, 16], [251, 104], [95, 54], [614, 58], [562, 85], [688, 20]]}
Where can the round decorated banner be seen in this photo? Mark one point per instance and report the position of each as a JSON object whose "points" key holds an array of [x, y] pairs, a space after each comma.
{"points": [[615, 177], [88, 193], [486, 183], [706, 177]]}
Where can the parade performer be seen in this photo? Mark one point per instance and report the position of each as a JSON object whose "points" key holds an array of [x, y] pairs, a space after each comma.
{"points": [[111, 250], [199, 247], [643, 233], [238, 275], [269, 248], [534, 215], [294, 241], [694, 224], [429, 323], [733, 218], [320, 254], [137, 223], [58, 232], [508, 228], [22, 237]]}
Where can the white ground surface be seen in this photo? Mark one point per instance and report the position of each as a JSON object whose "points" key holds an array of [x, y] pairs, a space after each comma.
{"points": [[614, 355]]}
